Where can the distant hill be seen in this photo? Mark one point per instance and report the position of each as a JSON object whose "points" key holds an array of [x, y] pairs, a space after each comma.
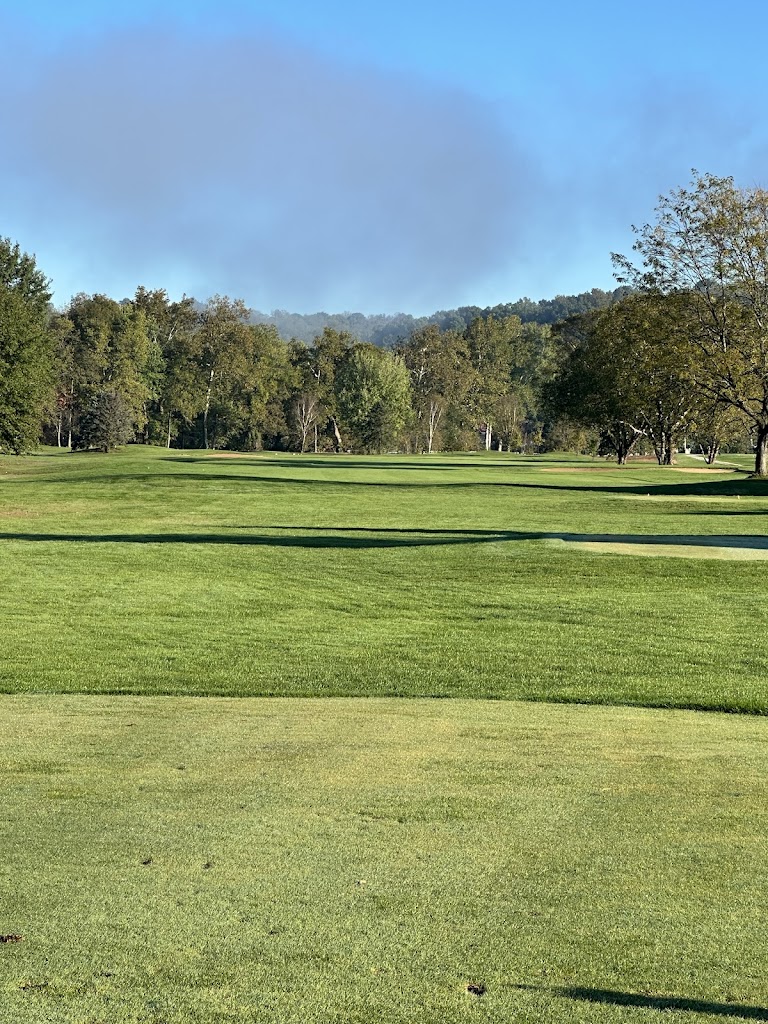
{"points": [[387, 329]]}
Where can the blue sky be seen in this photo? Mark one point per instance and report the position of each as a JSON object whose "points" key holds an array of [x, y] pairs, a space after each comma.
{"points": [[405, 156]]}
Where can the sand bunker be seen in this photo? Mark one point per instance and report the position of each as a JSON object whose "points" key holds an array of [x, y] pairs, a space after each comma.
{"points": [[697, 469], [617, 468], [736, 549]]}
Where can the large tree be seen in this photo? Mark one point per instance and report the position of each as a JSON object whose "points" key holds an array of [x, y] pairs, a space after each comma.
{"points": [[597, 384], [374, 397], [648, 335], [26, 356], [709, 248], [172, 371], [222, 341], [328, 354], [113, 368], [490, 343], [438, 363]]}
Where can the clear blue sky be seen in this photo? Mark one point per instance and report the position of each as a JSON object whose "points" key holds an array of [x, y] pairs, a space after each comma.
{"points": [[405, 156]]}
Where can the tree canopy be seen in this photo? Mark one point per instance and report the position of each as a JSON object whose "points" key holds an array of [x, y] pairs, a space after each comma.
{"points": [[26, 349], [709, 250], [678, 351]]}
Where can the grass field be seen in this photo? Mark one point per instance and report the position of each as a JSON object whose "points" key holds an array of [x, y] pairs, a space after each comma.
{"points": [[172, 854], [177, 860], [155, 572]]}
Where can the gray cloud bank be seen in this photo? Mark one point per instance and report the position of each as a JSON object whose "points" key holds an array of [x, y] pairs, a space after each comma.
{"points": [[251, 166]]}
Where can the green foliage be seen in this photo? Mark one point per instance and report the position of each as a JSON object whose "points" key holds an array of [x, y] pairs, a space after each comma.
{"points": [[709, 250], [112, 355], [391, 330], [171, 370], [595, 384], [26, 350], [20, 274], [245, 374], [218, 376], [106, 423], [628, 373], [441, 376], [373, 392]]}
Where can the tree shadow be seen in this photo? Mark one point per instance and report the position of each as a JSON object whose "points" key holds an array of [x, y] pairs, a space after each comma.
{"points": [[302, 462], [169, 479], [427, 463], [663, 1003], [310, 537], [728, 512], [740, 487], [299, 536]]}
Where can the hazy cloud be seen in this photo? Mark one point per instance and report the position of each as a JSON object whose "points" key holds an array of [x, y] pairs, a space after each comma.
{"points": [[246, 163], [252, 166]]}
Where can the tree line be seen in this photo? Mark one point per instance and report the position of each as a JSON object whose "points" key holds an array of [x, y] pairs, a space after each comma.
{"points": [[100, 373], [677, 354], [388, 330]]}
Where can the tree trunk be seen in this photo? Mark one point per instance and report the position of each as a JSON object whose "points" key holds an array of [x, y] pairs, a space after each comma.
{"points": [[315, 439], [669, 450], [69, 410], [657, 440], [338, 443], [488, 436], [207, 407], [168, 444], [624, 438], [713, 450], [761, 451], [435, 412]]}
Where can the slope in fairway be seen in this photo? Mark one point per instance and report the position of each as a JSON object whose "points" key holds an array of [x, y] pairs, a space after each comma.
{"points": [[168, 572], [212, 860]]}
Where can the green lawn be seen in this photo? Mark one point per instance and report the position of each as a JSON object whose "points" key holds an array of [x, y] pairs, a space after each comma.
{"points": [[162, 572], [174, 860], [197, 858]]}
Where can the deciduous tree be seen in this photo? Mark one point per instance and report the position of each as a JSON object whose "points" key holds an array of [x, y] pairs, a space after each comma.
{"points": [[709, 247], [26, 349]]}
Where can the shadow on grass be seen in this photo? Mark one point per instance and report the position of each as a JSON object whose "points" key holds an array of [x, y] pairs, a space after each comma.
{"points": [[718, 489], [397, 462], [364, 537], [663, 1003]]}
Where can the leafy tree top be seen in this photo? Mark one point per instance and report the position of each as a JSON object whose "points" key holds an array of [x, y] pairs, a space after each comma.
{"points": [[19, 273]]}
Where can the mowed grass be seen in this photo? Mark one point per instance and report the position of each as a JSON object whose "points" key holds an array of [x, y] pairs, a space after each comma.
{"points": [[154, 572], [174, 860]]}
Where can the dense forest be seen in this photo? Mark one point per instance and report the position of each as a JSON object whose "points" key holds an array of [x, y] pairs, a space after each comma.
{"points": [[389, 330], [677, 354]]}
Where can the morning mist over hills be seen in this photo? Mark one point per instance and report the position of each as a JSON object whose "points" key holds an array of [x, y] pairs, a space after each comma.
{"points": [[386, 329]]}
